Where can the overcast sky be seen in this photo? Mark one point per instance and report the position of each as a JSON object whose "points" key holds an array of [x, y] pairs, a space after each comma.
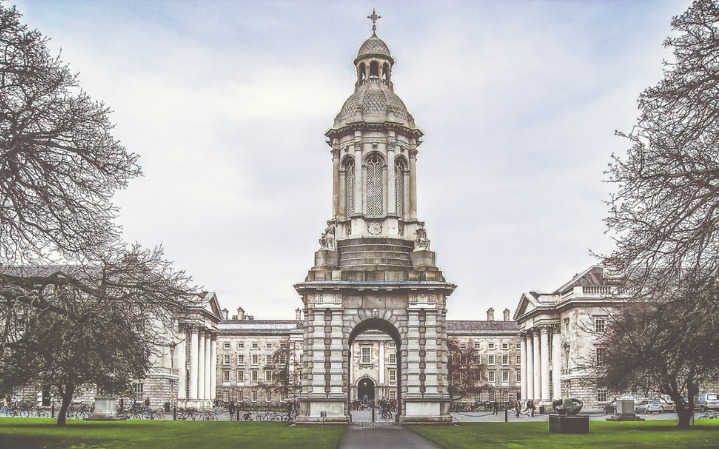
{"points": [[227, 103]]}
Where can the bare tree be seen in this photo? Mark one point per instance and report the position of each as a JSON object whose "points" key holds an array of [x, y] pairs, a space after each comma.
{"points": [[665, 213], [98, 324], [59, 164], [667, 347], [467, 375], [665, 219]]}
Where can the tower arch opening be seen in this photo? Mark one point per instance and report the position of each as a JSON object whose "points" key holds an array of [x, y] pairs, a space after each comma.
{"points": [[374, 375]]}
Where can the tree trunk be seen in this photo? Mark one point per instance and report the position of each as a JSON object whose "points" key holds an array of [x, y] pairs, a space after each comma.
{"points": [[66, 401], [685, 416]]}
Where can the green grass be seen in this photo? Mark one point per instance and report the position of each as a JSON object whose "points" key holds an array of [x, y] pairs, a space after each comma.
{"points": [[24, 433], [603, 434]]}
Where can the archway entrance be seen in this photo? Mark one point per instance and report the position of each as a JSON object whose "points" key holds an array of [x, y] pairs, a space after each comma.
{"points": [[365, 391], [374, 381]]}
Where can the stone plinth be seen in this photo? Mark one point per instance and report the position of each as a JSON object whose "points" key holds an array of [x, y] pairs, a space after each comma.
{"points": [[625, 411], [568, 424], [105, 410]]}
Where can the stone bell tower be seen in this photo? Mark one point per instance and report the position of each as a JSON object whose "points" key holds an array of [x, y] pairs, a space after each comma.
{"points": [[374, 268]]}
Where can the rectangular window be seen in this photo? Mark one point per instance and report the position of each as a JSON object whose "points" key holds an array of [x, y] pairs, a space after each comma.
{"points": [[240, 359], [226, 345], [519, 346], [490, 359], [268, 396], [283, 345], [138, 393], [491, 376], [392, 344], [240, 376], [254, 375], [392, 358], [463, 345], [601, 356], [226, 359], [392, 374], [255, 359], [519, 359], [602, 395], [519, 375], [366, 354], [600, 324], [393, 394], [268, 376], [477, 345], [268, 346], [505, 359], [505, 345], [253, 396], [490, 345], [241, 345], [255, 345], [505, 376], [226, 375]]}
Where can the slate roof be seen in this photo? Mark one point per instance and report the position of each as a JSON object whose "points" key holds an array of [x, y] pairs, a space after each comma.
{"points": [[259, 327], [465, 327]]}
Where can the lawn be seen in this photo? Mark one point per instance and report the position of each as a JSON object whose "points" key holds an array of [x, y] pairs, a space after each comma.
{"points": [[39, 433], [603, 434]]}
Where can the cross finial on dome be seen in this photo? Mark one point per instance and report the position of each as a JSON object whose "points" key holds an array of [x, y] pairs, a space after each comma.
{"points": [[374, 17]]}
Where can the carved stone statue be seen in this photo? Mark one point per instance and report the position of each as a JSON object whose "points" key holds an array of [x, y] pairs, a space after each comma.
{"points": [[327, 239], [567, 406], [421, 241]]}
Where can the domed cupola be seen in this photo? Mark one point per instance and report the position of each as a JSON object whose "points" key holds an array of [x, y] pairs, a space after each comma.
{"points": [[374, 100]]}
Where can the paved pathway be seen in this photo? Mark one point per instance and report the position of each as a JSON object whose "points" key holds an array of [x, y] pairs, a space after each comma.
{"points": [[383, 438]]}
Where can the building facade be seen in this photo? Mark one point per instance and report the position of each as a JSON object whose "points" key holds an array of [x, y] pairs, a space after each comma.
{"points": [[558, 337]]}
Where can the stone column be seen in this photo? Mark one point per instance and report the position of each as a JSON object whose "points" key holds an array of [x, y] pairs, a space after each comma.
{"points": [[337, 373], [201, 361], [529, 376], [544, 362], [211, 366], [556, 364], [537, 365], [359, 180], [180, 354], [413, 383], [391, 201], [335, 180], [194, 355], [412, 182], [381, 362], [431, 369], [523, 366], [317, 386]]}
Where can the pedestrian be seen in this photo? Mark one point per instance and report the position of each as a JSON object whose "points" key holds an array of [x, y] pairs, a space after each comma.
{"points": [[495, 407], [531, 407], [517, 407]]}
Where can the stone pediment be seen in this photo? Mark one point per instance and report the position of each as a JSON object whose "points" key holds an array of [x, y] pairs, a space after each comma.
{"points": [[527, 303]]}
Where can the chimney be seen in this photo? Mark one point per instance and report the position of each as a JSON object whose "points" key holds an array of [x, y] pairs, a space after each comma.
{"points": [[506, 314], [224, 313], [490, 314], [240, 313], [298, 314]]}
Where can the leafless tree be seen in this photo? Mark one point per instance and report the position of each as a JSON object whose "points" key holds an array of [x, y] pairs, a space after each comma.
{"points": [[467, 375], [59, 163], [665, 219], [66, 326]]}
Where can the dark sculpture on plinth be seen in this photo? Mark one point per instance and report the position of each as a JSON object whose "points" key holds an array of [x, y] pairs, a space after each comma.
{"points": [[567, 406]]}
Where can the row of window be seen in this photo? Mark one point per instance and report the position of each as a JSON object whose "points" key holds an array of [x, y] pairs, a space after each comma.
{"points": [[254, 345], [366, 356], [254, 375], [492, 376], [490, 346]]}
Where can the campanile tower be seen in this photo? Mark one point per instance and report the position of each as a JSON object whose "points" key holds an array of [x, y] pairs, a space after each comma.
{"points": [[374, 268]]}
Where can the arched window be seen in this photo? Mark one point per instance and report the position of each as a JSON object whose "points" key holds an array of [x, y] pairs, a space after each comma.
{"points": [[375, 180], [361, 72], [374, 69], [400, 168], [349, 169]]}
